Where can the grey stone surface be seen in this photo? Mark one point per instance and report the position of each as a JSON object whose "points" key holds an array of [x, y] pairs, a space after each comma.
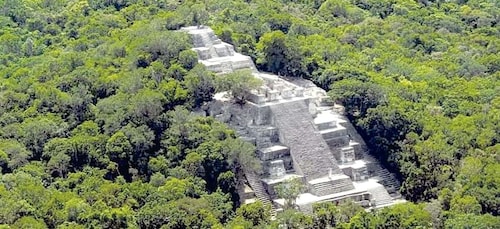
{"points": [[336, 184], [299, 132], [216, 55], [307, 147], [273, 152], [347, 155], [277, 169]]}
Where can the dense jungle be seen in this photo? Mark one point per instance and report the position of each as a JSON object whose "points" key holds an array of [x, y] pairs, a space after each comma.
{"points": [[96, 101]]}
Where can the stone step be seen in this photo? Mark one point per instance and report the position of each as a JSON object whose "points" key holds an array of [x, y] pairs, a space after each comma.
{"points": [[228, 64], [213, 53], [381, 196], [273, 152], [308, 149], [338, 187], [325, 186], [224, 49], [333, 132], [203, 53], [259, 190], [325, 125], [388, 180]]}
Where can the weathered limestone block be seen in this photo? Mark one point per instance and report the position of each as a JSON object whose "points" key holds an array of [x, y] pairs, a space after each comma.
{"points": [[299, 92], [286, 93], [338, 142], [272, 95], [222, 50], [242, 62], [269, 83], [318, 92], [359, 174], [213, 66], [356, 170], [358, 150], [215, 108], [334, 133], [273, 152], [277, 169], [226, 67], [203, 53], [215, 40], [278, 86], [326, 125], [266, 132], [257, 98], [197, 40], [202, 40], [260, 115], [263, 90], [266, 166], [347, 155], [313, 109]]}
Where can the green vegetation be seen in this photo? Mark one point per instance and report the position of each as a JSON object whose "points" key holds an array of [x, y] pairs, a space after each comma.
{"points": [[239, 84], [95, 100], [290, 190]]}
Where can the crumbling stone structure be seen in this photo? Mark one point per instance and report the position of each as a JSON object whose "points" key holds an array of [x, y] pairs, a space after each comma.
{"points": [[299, 133]]}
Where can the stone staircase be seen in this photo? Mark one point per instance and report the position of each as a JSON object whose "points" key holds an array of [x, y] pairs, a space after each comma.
{"points": [[307, 147], [385, 177], [380, 195], [327, 186], [354, 134], [259, 190]]}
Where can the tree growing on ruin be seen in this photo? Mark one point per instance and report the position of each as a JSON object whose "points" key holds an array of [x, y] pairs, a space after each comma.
{"points": [[239, 84], [290, 190]]}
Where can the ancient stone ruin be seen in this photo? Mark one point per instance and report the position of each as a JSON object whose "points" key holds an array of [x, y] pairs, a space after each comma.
{"points": [[299, 133]]}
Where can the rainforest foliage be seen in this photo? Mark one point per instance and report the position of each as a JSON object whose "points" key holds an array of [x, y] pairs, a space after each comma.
{"points": [[95, 100]]}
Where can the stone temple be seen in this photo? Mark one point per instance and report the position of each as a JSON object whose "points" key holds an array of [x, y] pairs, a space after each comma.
{"points": [[299, 133]]}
